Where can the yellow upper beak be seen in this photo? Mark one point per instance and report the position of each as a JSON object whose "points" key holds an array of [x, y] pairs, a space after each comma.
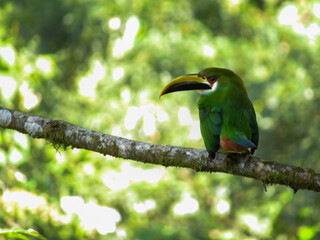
{"points": [[186, 82]]}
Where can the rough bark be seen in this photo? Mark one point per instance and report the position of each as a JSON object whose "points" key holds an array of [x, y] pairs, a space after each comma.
{"points": [[64, 134]]}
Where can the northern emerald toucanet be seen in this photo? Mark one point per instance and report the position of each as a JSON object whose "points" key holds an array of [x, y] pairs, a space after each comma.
{"points": [[227, 117]]}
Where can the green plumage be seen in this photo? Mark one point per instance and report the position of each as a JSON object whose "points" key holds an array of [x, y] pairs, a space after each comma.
{"points": [[227, 111], [227, 118]]}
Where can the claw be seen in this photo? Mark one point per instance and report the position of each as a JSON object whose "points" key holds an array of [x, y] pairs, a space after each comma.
{"points": [[247, 158]]}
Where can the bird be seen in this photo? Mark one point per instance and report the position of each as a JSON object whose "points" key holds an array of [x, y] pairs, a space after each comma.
{"points": [[227, 117]]}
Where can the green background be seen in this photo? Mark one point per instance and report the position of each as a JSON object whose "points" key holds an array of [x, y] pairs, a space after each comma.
{"points": [[101, 65]]}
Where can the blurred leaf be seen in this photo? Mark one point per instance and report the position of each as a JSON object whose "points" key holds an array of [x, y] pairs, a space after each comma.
{"points": [[20, 233], [306, 232]]}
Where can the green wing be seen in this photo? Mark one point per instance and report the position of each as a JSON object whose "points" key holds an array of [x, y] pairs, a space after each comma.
{"points": [[248, 134], [254, 128], [210, 126], [241, 139]]}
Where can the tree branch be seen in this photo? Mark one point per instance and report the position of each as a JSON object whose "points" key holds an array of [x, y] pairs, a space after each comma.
{"points": [[61, 133]]}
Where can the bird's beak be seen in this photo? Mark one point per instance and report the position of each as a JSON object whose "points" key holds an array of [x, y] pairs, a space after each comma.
{"points": [[186, 82]]}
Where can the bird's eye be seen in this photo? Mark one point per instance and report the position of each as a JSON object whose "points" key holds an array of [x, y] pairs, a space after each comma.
{"points": [[212, 79]]}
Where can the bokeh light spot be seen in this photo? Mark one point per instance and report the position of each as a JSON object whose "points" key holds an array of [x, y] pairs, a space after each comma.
{"points": [[208, 51], [44, 64], [88, 84], [162, 116], [20, 177], [21, 139], [144, 206], [115, 23], [234, 1], [15, 156], [128, 174], [28, 68], [316, 9], [117, 73], [8, 55], [126, 96], [184, 116], [195, 133], [223, 207], [132, 117], [23, 199], [288, 15], [91, 215], [30, 98], [308, 94], [60, 157], [188, 205], [88, 169], [126, 42], [7, 85], [149, 123], [253, 223], [2, 158]]}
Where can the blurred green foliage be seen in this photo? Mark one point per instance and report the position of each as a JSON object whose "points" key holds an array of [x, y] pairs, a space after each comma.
{"points": [[101, 65], [18, 233]]}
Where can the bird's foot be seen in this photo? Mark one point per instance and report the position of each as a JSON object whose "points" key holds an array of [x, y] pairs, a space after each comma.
{"points": [[233, 158], [230, 159], [247, 155], [247, 158], [212, 155], [226, 163]]}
